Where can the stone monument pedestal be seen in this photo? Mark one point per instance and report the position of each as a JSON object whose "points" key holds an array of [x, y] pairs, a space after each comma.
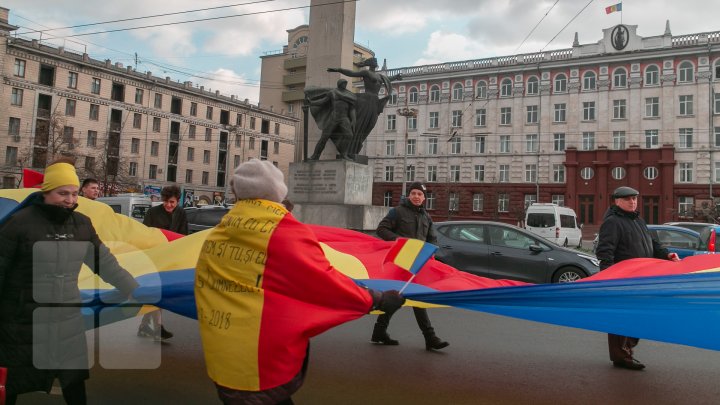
{"points": [[334, 193]]}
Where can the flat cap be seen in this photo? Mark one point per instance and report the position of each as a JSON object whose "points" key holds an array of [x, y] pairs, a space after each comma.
{"points": [[622, 192]]}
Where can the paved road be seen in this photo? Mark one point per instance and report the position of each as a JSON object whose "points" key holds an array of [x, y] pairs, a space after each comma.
{"points": [[491, 360]]}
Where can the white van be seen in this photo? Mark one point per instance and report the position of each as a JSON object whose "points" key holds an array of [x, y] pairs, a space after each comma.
{"points": [[554, 223], [133, 205]]}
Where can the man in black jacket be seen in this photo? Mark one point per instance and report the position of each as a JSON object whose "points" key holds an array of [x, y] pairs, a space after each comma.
{"points": [[624, 235], [408, 220]]}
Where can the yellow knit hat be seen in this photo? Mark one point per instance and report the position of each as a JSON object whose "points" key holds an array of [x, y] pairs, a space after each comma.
{"points": [[58, 175]]}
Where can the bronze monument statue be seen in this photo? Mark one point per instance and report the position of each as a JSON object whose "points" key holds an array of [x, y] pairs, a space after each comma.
{"points": [[334, 112]]}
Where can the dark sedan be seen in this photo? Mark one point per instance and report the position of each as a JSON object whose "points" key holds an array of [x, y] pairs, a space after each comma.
{"points": [[501, 251], [203, 218]]}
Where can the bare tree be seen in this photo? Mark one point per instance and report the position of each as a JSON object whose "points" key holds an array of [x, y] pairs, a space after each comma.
{"points": [[110, 169], [53, 139]]}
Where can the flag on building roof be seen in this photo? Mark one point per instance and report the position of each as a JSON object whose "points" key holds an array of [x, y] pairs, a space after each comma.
{"points": [[613, 8]]}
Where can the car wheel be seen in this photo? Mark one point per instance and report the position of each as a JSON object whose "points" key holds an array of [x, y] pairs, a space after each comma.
{"points": [[568, 275], [565, 244]]}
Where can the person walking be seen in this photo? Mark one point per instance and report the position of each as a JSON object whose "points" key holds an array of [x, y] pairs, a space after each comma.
{"points": [[171, 217], [43, 246], [409, 220], [624, 235]]}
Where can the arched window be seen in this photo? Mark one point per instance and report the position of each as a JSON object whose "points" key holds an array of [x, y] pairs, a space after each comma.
{"points": [[620, 78], [685, 72], [589, 80], [506, 88], [481, 89], [652, 75], [457, 91], [413, 95], [533, 85], [560, 83], [435, 94]]}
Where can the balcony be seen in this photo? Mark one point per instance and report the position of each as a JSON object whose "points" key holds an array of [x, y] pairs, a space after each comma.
{"points": [[295, 63], [293, 95], [291, 80]]}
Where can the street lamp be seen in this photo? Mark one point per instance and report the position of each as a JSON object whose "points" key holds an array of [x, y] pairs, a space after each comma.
{"points": [[407, 113]]}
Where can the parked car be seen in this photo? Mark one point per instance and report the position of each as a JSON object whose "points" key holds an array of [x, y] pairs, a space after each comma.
{"points": [[709, 240], [554, 223], [683, 241], [501, 251], [695, 226], [205, 217], [133, 205]]}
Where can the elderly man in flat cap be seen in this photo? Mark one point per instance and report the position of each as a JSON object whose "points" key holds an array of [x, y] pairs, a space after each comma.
{"points": [[624, 235]]}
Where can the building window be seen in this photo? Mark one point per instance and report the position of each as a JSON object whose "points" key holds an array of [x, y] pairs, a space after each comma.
{"points": [[431, 173], [72, 80], [191, 131], [619, 109], [457, 93], [480, 117], [413, 95], [479, 144], [504, 143], [393, 98], [137, 120], [132, 169], [481, 89], [652, 75], [16, 97], [434, 120], [559, 142], [432, 146], [652, 107], [188, 176], [650, 173], [387, 199], [717, 137], [479, 173], [532, 114], [531, 143], [135, 145], [389, 173], [589, 81], [68, 138], [434, 94], [252, 122], [530, 173], [94, 112], [560, 83], [618, 140], [686, 138], [559, 115], [686, 105], [588, 140], [95, 86], [206, 157], [205, 178], [558, 199], [92, 138], [70, 107], [390, 147], [503, 202], [456, 118], [154, 148], [208, 134], [276, 147], [455, 144], [411, 146], [587, 173], [505, 115], [19, 68], [410, 173], [391, 120], [156, 124], [686, 172], [652, 138], [193, 110], [191, 155], [530, 199], [152, 173], [158, 101], [412, 123], [11, 153], [89, 163], [14, 127], [620, 78], [618, 173], [503, 173], [209, 113], [558, 173], [478, 199], [685, 72], [589, 111], [454, 173], [453, 202], [251, 143], [685, 206], [506, 88], [533, 86], [430, 200]]}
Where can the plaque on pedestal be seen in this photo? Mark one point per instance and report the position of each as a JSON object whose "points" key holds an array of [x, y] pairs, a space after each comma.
{"points": [[330, 182]]}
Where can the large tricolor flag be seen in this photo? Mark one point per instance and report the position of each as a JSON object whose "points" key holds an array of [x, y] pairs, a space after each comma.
{"points": [[613, 8]]}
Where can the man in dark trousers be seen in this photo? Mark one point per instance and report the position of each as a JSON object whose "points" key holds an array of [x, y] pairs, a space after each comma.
{"points": [[408, 220], [624, 235]]}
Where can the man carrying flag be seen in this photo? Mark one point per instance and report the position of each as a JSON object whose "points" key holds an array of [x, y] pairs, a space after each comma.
{"points": [[409, 220]]}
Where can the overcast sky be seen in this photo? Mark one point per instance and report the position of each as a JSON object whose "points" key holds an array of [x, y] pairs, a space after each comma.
{"points": [[223, 54]]}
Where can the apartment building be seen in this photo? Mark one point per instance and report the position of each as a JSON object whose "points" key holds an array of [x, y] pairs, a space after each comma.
{"points": [[131, 130], [490, 136]]}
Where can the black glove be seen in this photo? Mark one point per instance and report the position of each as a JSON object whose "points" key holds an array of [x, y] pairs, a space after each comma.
{"points": [[387, 301]]}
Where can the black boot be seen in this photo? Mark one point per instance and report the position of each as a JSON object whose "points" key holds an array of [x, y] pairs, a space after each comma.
{"points": [[433, 342], [381, 336]]}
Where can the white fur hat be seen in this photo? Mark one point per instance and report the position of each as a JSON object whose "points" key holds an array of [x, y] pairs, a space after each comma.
{"points": [[258, 179]]}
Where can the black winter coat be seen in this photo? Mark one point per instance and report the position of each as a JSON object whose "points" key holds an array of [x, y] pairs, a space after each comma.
{"points": [[42, 332], [624, 235], [407, 221], [157, 217]]}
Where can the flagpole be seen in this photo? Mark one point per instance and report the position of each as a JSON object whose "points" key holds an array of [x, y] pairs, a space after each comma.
{"points": [[406, 284], [621, 11]]}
